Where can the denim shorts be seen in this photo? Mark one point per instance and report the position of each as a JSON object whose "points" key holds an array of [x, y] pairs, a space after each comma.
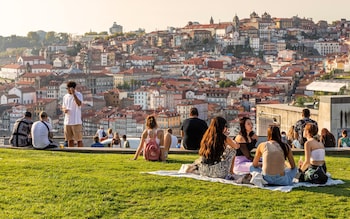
{"points": [[285, 180]]}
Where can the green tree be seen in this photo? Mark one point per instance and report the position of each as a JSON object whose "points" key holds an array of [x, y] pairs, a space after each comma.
{"points": [[33, 38], [300, 101], [50, 37], [226, 83], [73, 51], [90, 33], [130, 35], [229, 83], [63, 37], [239, 81], [221, 84]]}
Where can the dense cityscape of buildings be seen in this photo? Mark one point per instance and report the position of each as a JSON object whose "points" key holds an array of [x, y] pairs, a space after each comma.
{"points": [[224, 68]]}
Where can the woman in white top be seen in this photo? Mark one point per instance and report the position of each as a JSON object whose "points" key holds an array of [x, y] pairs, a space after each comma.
{"points": [[109, 133], [313, 169]]}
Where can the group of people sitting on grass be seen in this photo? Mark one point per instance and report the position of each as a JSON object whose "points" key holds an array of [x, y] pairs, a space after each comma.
{"points": [[222, 157]]}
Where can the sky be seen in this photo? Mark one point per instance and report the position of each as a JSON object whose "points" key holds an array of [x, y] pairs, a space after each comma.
{"points": [[18, 17]]}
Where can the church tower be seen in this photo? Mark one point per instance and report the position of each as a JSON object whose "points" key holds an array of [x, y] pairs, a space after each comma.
{"points": [[236, 23], [211, 20]]}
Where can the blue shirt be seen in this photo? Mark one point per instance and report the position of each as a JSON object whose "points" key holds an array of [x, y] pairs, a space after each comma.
{"points": [[96, 145]]}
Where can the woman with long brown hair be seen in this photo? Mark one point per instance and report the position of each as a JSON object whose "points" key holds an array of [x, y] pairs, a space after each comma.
{"points": [[274, 153], [247, 140], [216, 150]]}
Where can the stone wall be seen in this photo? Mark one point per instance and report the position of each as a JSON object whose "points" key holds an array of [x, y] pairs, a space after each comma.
{"points": [[333, 113]]}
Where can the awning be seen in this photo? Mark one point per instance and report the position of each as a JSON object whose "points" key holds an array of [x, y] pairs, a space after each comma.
{"points": [[325, 86]]}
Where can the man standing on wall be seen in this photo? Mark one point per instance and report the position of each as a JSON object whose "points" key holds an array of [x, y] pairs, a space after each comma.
{"points": [[299, 126], [71, 107], [192, 130]]}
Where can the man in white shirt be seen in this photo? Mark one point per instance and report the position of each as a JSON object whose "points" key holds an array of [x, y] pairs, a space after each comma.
{"points": [[174, 139], [73, 124], [101, 134], [42, 133]]}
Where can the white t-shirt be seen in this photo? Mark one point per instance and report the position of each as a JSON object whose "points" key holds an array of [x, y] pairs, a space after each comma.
{"points": [[40, 134], [73, 116], [99, 133], [173, 141]]}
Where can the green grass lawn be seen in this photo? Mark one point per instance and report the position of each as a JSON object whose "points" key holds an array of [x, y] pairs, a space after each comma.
{"points": [[46, 184]]}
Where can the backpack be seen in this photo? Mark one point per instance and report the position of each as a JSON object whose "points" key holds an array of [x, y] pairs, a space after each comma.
{"points": [[104, 134], [151, 151], [345, 142], [21, 130], [302, 124]]}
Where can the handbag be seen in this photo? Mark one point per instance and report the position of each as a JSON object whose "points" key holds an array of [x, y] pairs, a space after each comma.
{"points": [[316, 175]]}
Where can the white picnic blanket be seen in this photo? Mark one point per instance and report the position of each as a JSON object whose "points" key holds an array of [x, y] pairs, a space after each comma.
{"points": [[176, 173]]}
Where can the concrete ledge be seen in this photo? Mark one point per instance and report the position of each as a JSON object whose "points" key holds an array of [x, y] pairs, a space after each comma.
{"points": [[329, 151], [101, 150]]}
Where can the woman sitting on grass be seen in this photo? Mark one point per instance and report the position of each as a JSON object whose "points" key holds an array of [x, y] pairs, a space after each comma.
{"points": [[274, 153], [216, 150], [313, 169], [247, 140], [151, 131]]}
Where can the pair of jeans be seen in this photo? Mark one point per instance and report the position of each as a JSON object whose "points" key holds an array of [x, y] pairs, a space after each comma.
{"points": [[285, 180]]}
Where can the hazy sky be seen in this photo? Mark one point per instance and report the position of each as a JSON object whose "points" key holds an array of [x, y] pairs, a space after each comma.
{"points": [[80, 16]]}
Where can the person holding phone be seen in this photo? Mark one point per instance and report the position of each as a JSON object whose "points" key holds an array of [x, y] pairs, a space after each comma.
{"points": [[71, 107]]}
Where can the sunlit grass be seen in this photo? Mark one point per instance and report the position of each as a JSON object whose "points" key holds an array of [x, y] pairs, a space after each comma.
{"points": [[45, 184]]}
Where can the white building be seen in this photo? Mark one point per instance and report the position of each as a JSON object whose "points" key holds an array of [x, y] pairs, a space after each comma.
{"points": [[141, 97], [11, 71], [325, 48], [27, 95], [31, 60]]}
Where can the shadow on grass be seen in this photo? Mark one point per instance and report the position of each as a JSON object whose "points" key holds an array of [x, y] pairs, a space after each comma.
{"points": [[341, 190], [179, 161]]}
